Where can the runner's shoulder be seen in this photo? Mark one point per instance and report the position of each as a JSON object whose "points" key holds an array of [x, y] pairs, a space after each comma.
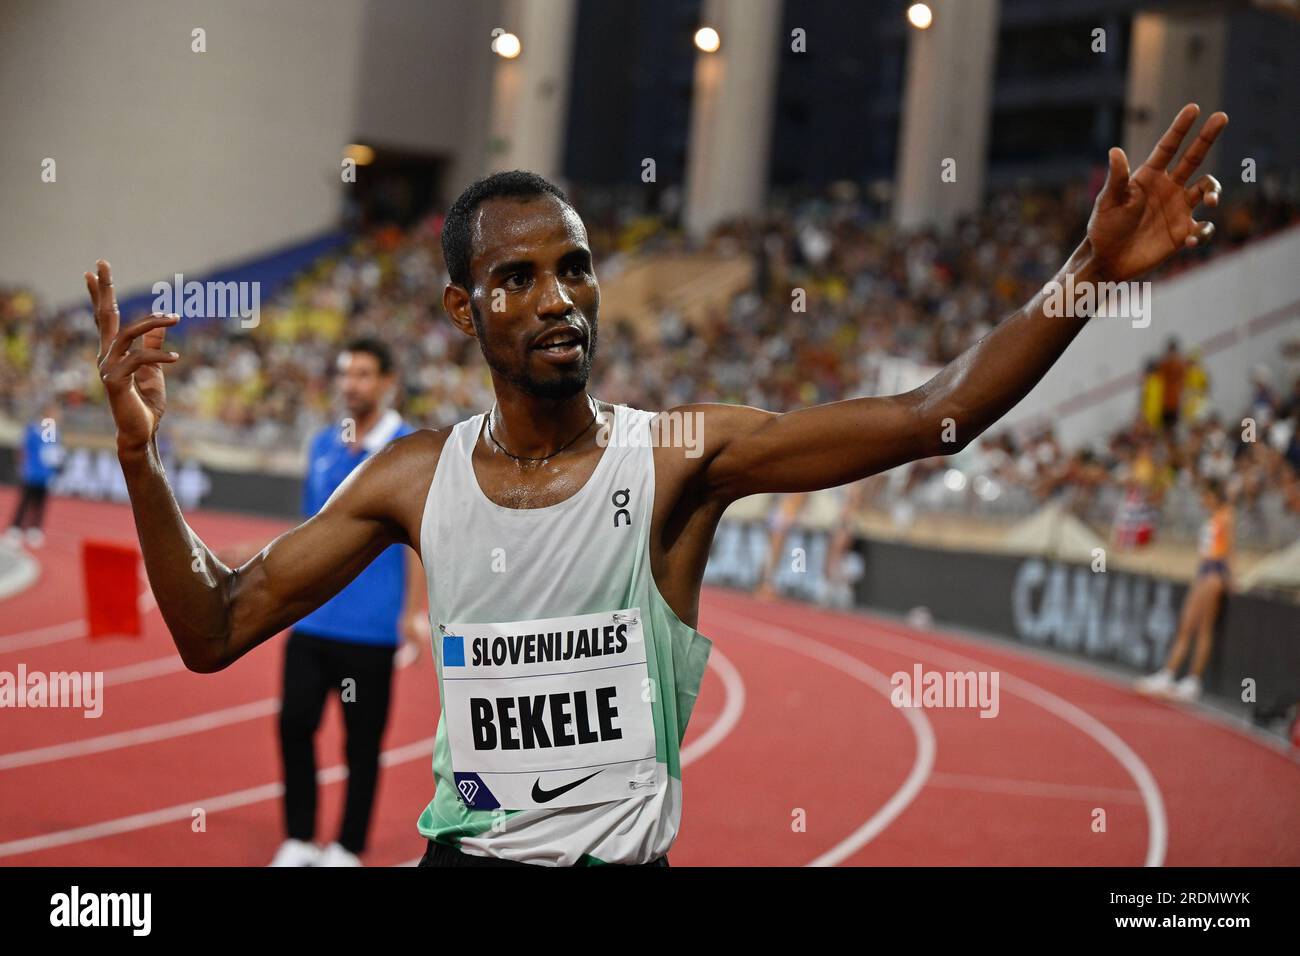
{"points": [[715, 422], [416, 452], [393, 483], [728, 413]]}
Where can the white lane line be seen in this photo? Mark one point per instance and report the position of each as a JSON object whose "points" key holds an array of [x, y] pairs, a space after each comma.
{"points": [[883, 635], [926, 746], [43, 635], [129, 673], [1203, 711], [733, 685], [141, 735], [67, 631], [185, 811], [143, 670], [1032, 788], [23, 573]]}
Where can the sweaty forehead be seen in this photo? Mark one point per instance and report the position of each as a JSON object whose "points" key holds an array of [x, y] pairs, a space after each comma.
{"points": [[508, 229]]}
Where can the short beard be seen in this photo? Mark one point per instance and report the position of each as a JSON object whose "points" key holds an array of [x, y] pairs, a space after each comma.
{"points": [[365, 411], [569, 383]]}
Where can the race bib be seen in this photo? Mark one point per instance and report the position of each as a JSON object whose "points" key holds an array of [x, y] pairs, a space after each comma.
{"points": [[554, 712]]}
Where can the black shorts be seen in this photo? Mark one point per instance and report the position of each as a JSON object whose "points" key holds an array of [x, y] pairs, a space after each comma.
{"points": [[1211, 566], [440, 854]]}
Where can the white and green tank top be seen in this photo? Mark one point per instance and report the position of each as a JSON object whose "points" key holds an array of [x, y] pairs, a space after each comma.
{"points": [[566, 680]]}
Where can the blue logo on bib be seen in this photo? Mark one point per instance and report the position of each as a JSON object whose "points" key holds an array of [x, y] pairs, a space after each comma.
{"points": [[453, 650]]}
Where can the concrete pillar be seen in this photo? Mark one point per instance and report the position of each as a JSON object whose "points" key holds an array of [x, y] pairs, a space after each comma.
{"points": [[947, 102], [1174, 58], [731, 113], [530, 94]]}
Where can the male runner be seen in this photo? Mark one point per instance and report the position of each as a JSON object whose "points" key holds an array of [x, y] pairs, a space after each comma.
{"points": [[563, 553]]}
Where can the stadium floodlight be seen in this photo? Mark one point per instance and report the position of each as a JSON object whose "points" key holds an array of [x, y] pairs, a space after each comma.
{"points": [[360, 154], [707, 40], [506, 45], [920, 16]]}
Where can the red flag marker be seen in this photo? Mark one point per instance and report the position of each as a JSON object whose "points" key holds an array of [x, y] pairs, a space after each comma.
{"points": [[112, 589]]}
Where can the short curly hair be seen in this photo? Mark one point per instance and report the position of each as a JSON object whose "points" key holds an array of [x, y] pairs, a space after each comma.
{"points": [[517, 183]]}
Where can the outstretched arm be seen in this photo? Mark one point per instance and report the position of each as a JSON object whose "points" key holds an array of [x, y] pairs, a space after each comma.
{"points": [[216, 613], [1138, 221]]}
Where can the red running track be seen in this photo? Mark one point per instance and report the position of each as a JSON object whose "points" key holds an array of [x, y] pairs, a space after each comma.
{"points": [[795, 754]]}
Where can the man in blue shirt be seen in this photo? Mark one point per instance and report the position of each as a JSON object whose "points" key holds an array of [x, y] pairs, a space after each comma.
{"points": [[347, 645], [42, 456]]}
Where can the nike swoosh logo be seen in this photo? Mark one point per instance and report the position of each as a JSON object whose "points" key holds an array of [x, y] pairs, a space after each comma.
{"points": [[546, 796]]}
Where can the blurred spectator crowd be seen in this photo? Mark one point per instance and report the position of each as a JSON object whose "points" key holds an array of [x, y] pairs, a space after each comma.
{"points": [[871, 292], [1142, 482], [1178, 441]]}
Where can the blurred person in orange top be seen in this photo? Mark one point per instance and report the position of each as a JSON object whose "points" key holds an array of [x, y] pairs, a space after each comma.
{"points": [[1202, 604]]}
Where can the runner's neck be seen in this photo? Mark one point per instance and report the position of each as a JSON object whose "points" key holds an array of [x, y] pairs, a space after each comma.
{"points": [[534, 428]]}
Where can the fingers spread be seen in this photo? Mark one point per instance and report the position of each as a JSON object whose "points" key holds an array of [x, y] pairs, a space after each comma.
{"points": [[1196, 152], [1167, 147], [133, 360], [1201, 233], [153, 339], [131, 332], [105, 285], [105, 300], [1117, 176], [1206, 190]]}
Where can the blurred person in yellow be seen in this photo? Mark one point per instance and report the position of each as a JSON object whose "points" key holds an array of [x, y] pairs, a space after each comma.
{"points": [[1153, 395], [1173, 371], [1196, 389]]}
